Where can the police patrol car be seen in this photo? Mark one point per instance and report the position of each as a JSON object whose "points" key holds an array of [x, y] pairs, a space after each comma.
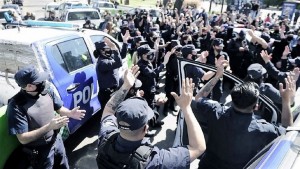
{"points": [[66, 54]]}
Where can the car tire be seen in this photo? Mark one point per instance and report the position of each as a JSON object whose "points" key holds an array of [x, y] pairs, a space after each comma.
{"points": [[17, 160]]}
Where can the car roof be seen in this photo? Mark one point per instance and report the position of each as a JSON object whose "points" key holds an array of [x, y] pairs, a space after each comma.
{"points": [[10, 5], [31, 35], [102, 2], [52, 3], [81, 9], [7, 9]]}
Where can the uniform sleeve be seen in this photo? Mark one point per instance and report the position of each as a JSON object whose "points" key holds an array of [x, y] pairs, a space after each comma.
{"points": [[17, 120], [57, 102], [108, 125], [271, 92], [175, 158], [274, 72], [207, 109]]}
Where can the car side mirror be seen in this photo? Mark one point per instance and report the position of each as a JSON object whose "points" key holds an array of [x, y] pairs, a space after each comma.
{"points": [[43, 8], [56, 8]]}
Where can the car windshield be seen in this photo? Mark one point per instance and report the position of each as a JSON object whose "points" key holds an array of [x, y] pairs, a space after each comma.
{"points": [[72, 5], [105, 5], [2, 14], [82, 15], [52, 7]]}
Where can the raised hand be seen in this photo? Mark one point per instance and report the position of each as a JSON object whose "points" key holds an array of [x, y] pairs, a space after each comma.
{"points": [[286, 52], [109, 43], [265, 56], [185, 99], [77, 114], [290, 88], [130, 76], [126, 36]]}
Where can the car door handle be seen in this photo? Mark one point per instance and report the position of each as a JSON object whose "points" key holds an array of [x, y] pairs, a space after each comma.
{"points": [[73, 86]]}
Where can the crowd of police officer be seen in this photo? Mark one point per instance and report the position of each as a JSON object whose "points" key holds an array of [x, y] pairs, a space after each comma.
{"points": [[154, 43], [209, 36]]}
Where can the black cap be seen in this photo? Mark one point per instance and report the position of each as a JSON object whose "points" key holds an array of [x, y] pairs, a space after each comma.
{"points": [[218, 42], [100, 45], [188, 49], [266, 37], [295, 61], [256, 71], [139, 39], [144, 49], [133, 113], [30, 75], [175, 43], [242, 33]]}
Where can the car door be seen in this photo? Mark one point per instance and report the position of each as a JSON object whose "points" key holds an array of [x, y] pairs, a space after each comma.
{"points": [[74, 76], [266, 105]]}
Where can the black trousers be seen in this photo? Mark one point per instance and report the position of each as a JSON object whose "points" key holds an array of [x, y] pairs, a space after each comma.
{"points": [[52, 156]]}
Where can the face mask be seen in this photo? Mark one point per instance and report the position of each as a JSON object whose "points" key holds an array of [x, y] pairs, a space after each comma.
{"points": [[150, 56], [40, 88], [194, 57], [154, 38], [108, 53], [190, 42], [276, 31], [289, 38]]}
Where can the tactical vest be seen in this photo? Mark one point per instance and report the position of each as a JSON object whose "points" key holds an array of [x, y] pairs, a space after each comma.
{"points": [[39, 112], [109, 158]]}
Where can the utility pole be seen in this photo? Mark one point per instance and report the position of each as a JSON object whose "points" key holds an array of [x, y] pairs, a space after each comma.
{"points": [[222, 6], [210, 5]]}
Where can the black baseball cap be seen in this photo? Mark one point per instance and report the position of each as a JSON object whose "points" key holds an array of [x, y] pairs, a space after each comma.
{"points": [[144, 49], [30, 75], [100, 45], [188, 49], [218, 42], [133, 113], [256, 71], [295, 61], [139, 39]]}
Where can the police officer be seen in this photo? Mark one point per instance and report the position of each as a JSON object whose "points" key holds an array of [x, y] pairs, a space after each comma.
{"points": [[215, 53], [31, 118], [148, 73], [171, 83], [197, 74], [123, 127], [107, 69], [233, 129], [88, 24], [240, 57], [137, 42]]}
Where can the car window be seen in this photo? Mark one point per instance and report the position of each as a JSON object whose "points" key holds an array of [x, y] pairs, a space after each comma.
{"points": [[72, 16], [72, 54], [1, 15]]}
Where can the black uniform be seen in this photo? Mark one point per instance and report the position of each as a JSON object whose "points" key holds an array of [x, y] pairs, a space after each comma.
{"points": [[107, 70], [148, 78]]}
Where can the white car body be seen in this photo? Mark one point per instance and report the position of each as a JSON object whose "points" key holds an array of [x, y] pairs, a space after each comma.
{"points": [[78, 16], [51, 7]]}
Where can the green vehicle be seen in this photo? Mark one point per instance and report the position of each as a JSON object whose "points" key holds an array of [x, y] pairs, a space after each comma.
{"points": [[10, 143]]}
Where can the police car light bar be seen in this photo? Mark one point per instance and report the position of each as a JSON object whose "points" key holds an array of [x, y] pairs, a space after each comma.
{"points": [[50, 24]]}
